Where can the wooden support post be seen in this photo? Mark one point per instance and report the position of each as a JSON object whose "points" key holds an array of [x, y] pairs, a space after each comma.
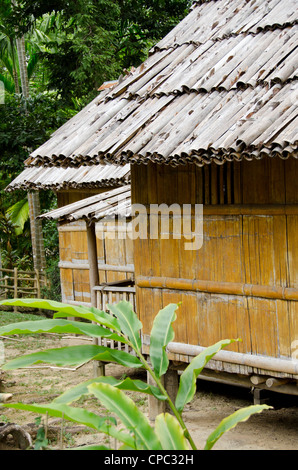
{"points": [[170, 382], [98, 366], [92, 259], [99, 369], [260, 396]]}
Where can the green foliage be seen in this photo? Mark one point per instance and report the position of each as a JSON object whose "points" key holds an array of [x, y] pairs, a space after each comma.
{"points": [[187, 385], [230, 422], [75, 46], [123, 384], [18, 214], [71, 49], [24, 125], [162, 333], [129, 323], [41, 442], [169, 432], [17, 317], [126, 410], [53, 288]]}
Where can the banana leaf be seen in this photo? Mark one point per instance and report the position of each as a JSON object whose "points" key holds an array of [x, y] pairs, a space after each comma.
{"points": [[74, 356], [126, 384], [161, 334], [128, 321], [187, 384], [128, 413], [170, 433]]}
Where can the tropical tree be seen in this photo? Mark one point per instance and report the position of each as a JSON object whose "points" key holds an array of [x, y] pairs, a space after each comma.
{"points": [[54, 55], [95, 40], [33, 197]]}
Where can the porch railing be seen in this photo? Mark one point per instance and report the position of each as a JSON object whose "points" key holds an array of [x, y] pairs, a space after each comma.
{"points": [[114, 293]]}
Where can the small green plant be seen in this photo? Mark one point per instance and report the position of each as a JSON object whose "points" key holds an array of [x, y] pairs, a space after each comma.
{"points": [[41, 442], [4, 419], [122, 324]]}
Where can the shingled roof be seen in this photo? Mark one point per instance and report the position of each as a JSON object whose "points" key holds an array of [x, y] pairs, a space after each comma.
{"points": [[115, 202], [37, 178], [221, 86]]}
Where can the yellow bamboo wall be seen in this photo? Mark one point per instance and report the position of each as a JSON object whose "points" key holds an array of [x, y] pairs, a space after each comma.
{"points": [[243, 282], [111, 250]]}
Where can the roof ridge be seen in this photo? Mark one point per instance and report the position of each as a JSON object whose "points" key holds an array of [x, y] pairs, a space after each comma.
{"points": [[238, 85], [264, 29]]}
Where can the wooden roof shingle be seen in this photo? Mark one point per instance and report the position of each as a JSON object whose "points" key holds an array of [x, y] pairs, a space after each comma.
{"points": [[115, 202], [37, 178], [221, 86]]}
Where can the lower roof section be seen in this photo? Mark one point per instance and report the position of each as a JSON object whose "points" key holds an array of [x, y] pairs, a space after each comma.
{"points": [[58, 178], [116, 202]]}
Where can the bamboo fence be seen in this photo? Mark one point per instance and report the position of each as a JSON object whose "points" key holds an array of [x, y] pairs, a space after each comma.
{"points": [[15, 283]]}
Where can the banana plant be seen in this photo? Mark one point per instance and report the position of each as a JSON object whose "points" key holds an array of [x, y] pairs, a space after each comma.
{"points": [[121, 324], [18, 214]]}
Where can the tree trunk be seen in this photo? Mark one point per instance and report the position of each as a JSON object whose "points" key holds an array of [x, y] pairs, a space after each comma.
{"points": [[23, 66], [33, 198], [36, 232], [14, 68]]}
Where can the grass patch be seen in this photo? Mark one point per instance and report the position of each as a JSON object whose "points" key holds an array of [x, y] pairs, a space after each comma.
{"points": [[15, 317], [26, 342]]}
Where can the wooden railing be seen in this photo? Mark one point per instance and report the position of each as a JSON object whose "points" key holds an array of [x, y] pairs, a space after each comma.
{"points": [[15, 283], [114, 293]]}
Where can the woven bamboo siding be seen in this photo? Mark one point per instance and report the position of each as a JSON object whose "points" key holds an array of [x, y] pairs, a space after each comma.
{"points": [[242, 282], [74, 260], [112, 250], [66, 197]]}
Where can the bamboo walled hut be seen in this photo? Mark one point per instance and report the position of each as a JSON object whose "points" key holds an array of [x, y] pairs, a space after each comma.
{"points": [[211, 118], [105, 222], [73, 185]]}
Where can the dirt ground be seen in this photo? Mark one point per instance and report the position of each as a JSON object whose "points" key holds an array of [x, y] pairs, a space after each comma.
{"points": [[274, 429]]}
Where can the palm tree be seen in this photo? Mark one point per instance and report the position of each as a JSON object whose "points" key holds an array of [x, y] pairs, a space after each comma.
{"points": [[8, 57], [41, 39], [33, 197], [13, 56]]}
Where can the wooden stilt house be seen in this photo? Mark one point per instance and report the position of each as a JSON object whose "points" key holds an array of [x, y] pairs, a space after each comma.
{"points": [[210, 118]]}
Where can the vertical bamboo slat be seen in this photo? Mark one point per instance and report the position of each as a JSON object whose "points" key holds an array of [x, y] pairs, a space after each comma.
{"points": [[257, 248]]}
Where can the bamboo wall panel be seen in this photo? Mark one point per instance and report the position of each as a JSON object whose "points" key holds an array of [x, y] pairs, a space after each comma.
{"points": [[111, 250], [284, 334], [79, 246], [266, 181], [250, 244], [81, 285], [65, 246], [293, 317], [292, 178], [115, 252], [66, 276], [264, 326], [292, 242], [149, 302]]}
